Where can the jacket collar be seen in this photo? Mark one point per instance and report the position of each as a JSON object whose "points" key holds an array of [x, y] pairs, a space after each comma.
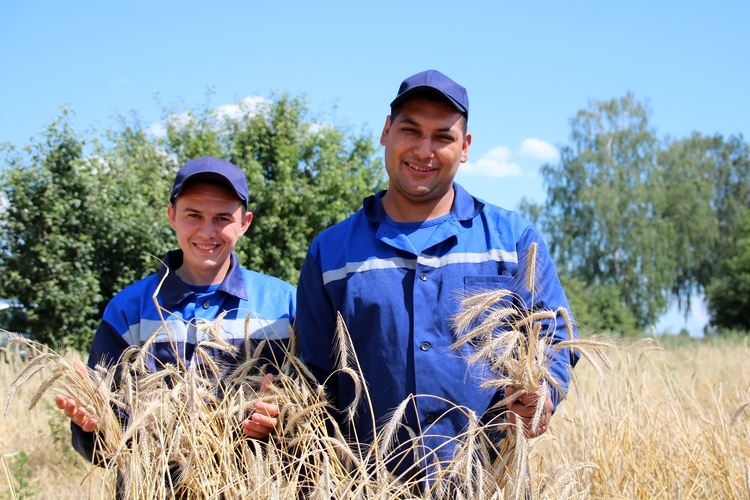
{"points": [[465, 206], [173, 290]]}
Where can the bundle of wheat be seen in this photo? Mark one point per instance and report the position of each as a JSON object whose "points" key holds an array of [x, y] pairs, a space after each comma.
{"points": [[175, 432], [516, 342]]}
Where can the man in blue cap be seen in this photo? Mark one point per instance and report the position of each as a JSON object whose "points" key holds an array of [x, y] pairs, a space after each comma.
{"points": [[196, 284], [396, 271]]}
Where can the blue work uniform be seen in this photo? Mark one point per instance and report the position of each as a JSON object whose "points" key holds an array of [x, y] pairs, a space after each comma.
{"points": [[262, 304], [397, 303]]}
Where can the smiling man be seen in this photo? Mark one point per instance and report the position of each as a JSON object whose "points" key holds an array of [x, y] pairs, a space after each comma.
{"points": [[195, 285], [396, 271]]}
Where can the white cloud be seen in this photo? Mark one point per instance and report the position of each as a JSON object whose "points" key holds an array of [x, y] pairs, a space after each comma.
{"points": [[495, 163], [247, 105], [316, 127], [539, 149], [157, 129]]}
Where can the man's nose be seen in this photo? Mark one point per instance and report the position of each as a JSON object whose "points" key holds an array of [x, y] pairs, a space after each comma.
{"points": [[207, 228], [423, 149]]}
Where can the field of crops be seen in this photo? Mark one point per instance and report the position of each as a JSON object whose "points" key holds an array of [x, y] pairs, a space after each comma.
{"points": [[671, 420]]}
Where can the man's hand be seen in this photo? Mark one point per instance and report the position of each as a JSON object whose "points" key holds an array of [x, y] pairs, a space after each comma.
{"points": [[75, 412], [524, 409], [265, 419]]}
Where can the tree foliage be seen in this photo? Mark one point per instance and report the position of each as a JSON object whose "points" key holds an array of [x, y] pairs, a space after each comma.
{"points": [[597, 308], [728, 292], [645, 216], [706, 180], [84, 218], [48, 252], [600, 210]]}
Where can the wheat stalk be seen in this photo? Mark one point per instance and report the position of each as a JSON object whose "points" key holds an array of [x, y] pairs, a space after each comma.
{"points": [[183, 438]]}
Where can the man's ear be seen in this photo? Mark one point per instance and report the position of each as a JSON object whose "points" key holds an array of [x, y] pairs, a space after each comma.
{"points": [[171, 215], [465, 148], [386, 128], [246, 221]]}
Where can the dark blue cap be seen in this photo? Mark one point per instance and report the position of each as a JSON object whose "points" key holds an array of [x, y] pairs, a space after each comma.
{"points": [[214, 170], [435, 80]]}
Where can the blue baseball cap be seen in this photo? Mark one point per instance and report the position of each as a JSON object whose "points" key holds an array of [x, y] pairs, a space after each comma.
{"points": [[213, 170], [435, 80]]}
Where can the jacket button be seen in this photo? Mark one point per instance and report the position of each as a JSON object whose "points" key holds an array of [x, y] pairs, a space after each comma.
{"points": [[429, 418], [206, 305], [423, 277], [426, 346]]}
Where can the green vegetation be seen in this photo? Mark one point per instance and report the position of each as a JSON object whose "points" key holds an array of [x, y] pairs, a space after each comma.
{"points": [[632, 219], [597, 308], [21, 473], [729, 289], [646, 219], [85, 213]]}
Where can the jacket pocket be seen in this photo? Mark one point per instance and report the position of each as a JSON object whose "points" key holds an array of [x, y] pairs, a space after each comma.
{"points": [[479, 284]]}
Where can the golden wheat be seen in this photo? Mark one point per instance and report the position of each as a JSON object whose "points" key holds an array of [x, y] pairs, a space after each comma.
{"points": [[666, 419], [182, 438]]}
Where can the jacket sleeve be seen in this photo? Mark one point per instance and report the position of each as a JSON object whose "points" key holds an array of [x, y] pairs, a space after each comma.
{"points": [[315, 326], [106, 350], [549, 295], [276, 345]]}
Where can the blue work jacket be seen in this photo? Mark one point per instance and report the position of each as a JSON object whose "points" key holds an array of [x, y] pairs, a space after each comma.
{"points": [[397, 306], [265, 305]]}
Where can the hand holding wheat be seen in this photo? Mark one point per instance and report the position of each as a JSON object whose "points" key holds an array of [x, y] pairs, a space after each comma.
{"points": [[73, 409], [522, 410], [265, 419]]}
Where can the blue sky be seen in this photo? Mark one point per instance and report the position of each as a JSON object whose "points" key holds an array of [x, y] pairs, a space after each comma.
{"points": [[528, 67]]}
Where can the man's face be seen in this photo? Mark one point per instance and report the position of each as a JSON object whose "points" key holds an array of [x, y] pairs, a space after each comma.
{"points": [[207, 220], [424, 145]]}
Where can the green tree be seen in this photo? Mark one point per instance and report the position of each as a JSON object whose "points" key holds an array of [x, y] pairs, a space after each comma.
{"points": [[732, 193], [78, 227], [131, 233], [650, 218], [47, 250], [728, 293], [601, 213], [707, 184], [303, 174], [706, 181], [597, 308], [686, 180]]}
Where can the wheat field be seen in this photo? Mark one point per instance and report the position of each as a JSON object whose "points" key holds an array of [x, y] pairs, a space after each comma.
{"points": [[670, 420]]}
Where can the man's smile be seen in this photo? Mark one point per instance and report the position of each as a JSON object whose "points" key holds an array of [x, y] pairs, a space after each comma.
{"points": [[204, 247], [413, 166]]}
